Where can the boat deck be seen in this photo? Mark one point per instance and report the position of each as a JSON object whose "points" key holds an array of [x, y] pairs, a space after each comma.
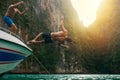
{"points": [[9, 32]]}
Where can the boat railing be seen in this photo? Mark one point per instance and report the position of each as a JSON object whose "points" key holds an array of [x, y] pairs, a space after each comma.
{"points": [[11, 33]]}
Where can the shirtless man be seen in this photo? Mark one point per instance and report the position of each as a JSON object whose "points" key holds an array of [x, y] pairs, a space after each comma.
{"points": [[48, 37], [10, 13]]}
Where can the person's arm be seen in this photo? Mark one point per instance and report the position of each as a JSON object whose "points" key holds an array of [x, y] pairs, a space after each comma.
{"points": [[26, 9], [17, 4], [62, 25], [64, 46]]}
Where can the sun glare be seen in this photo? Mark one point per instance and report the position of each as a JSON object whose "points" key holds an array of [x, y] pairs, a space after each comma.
{"points": [[86, 10]]}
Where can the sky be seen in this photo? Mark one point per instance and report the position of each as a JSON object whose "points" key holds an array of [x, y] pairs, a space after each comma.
{"points": [[86, 10]]}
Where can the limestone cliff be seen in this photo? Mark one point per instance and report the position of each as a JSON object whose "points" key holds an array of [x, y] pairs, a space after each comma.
{"points": [[94, 49], [43, 16]]}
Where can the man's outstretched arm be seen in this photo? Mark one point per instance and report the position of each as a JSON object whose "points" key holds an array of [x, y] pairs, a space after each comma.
{"points": [[62, 25], [64, 46], [26, 9], [17, 4]]}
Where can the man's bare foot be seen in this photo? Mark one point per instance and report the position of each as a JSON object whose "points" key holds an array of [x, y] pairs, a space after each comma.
{"points": [[31, 41]]}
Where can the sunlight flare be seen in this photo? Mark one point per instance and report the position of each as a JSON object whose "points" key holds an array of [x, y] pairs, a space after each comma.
{"points": [[86, 10]]}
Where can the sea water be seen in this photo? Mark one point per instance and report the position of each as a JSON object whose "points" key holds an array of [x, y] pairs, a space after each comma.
{"points": [[60, 77]]}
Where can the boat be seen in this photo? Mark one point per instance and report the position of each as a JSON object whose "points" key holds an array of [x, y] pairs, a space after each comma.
{"points": [[13, 50]]}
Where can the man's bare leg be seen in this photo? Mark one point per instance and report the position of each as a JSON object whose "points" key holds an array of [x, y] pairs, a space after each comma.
{"points": [[13, 28], [35, 42], [35, 39], [38, 36]]}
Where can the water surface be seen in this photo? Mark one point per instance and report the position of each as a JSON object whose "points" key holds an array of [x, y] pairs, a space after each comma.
{"points": [[60, 77]]}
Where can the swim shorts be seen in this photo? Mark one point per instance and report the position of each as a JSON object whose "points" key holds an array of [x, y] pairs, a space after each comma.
{"points": [[8, 20], [47, 37]]}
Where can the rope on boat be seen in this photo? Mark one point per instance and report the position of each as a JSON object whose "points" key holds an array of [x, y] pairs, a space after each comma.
{"points": [[40, 63]]}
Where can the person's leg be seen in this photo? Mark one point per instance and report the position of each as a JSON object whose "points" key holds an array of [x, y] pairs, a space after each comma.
{"points": [[13, 28], [10, 24], [38, 36], [36, 42]]}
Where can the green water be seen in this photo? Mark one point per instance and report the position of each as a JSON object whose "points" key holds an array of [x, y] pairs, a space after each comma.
{"points": [[60, 77]]}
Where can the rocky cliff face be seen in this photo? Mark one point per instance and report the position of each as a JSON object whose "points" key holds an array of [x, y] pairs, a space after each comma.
{"points": [[107, 31], [49, 11], [43, 16], [94, 50]]}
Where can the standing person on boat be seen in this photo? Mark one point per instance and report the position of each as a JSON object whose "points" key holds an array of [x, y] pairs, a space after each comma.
{"points": [[48, 37], [10, 13]]}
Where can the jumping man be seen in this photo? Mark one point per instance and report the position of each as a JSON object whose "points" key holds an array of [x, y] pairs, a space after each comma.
{"points": [[10, 13], [60, 36]]}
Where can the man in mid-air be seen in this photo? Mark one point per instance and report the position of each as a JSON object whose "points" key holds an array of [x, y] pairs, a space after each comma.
{"points": [[48, 37]]}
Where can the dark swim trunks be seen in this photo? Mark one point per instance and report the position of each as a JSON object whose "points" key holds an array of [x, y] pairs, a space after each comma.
{"points": [[8, 20], [47, 37]]}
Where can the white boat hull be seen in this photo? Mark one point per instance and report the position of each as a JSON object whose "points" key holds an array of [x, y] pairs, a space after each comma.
{"points": [[12, 51]]}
